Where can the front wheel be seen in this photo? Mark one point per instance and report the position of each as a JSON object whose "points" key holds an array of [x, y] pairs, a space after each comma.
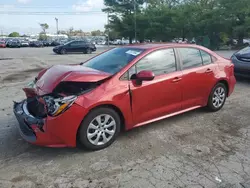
{"points": [[217, 97], [99, 129], [63, 51]]}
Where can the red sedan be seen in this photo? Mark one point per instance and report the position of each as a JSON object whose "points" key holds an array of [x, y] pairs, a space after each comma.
{"points": [[121, 89], [2, 44]]}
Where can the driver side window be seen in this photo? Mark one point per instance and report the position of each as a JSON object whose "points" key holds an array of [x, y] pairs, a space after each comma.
{"points": [[74, 44], [159, 62]]}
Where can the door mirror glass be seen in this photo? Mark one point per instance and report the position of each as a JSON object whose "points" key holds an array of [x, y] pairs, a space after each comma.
{"points": [[145, 75]]}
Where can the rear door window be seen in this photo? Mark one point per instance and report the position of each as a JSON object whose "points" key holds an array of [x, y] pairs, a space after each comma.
{"points": [[190, 57]]}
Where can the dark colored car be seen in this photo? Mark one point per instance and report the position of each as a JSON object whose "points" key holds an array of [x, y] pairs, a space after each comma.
{"points": [[36, 44], [121, 89], [241, 61], [55, 43], [14, 44], [75, 46], [46, 43], [2, 44]]}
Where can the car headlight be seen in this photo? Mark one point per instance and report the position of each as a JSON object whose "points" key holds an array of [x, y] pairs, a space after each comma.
{"points": [[57, 106]]}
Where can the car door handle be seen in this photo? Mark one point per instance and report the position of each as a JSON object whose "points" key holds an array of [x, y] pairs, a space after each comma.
{"points": [[209, 70], [177, 79]]}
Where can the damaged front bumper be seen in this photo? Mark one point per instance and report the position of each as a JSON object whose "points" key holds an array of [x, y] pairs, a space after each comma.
{"points": [[26, 121]]}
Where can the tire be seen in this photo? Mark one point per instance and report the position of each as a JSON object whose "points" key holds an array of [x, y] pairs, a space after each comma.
{"points": [[63, 51], [217, 97], [88, 51], [91, 119]]}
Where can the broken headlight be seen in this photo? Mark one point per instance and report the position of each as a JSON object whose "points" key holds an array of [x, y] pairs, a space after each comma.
{"points": [[57, 106]]}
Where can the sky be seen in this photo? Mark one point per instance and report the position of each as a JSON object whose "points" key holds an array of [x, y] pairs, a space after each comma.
{"points": [[15, 15]]}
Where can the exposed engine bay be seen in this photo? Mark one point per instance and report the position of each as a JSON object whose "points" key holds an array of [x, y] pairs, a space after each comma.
{"points": [[57, 102]]}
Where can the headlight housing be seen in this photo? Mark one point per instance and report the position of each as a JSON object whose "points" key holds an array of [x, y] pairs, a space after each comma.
{"points": [[58, 105]]}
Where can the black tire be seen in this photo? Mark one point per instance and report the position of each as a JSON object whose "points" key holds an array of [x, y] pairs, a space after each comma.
{"points": [[211, 106], [83, 130], [63, 51], [88, 51]]}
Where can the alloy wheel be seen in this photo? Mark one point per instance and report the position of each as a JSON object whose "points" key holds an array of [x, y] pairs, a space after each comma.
{"points": [[219, 97], [101, 129]]}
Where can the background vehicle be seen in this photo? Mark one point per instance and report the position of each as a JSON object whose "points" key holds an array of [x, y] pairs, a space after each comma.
{"points": [[46, 43], [241, 61], [14, 44], [55, 43], [24, 43], [246, 42], [108, 92], [2, 44], [75, 46], [36, 44]]}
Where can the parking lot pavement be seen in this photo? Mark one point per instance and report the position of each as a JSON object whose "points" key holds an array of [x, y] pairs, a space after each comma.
{"points": [[195, 149]]}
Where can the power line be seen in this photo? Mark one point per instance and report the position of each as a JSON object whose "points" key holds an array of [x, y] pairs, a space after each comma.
{"points": [[49, 13], [32, 6]]}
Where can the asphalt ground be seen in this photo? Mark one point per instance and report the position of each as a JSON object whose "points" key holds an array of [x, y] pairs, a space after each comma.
{"points": [[193, 150]]}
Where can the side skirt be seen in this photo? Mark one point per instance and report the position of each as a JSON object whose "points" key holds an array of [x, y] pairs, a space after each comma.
{"points": [[166, 116]]}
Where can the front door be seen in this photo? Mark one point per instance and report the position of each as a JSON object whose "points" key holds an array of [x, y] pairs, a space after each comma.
{"points": [[72, 47], [161, 96]]}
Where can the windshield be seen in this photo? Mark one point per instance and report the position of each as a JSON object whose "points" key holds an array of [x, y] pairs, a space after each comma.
{"points": [[244, 51], [113, 60]]}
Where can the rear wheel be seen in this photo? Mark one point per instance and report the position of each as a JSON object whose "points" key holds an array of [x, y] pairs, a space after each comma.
{"points": [[217, 97], [88, 51], [99, 129]]}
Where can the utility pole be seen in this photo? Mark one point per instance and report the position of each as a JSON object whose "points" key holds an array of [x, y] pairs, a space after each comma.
{"points": [[108, 29], [56, 26]]}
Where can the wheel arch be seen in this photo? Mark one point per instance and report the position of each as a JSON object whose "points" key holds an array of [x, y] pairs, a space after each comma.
{"points": [[115, 108], [225, 82]]}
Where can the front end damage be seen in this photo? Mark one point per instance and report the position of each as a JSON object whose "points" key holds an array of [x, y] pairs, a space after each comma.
{"points": [[53, 119]]}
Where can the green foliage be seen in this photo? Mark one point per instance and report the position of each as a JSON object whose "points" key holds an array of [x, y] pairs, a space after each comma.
{"points": [[96, 33], [14, 34], [163, 20], [42, 36], [44, 27]]}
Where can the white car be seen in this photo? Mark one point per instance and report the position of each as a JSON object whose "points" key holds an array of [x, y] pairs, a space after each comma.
{"points": [[246, 41]]}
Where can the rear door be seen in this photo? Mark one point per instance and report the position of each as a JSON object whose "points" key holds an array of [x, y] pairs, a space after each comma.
{"points": [[198, 76], [82, 46], [161, 96]]}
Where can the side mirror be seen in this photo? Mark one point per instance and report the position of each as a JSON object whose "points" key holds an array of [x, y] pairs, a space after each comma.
{"points": [[145, 76]]}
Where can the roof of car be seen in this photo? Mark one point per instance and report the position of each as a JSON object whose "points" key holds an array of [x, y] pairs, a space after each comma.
{"points": [[159, 45]]}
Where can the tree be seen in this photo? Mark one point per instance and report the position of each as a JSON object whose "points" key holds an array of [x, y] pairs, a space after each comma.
{"points": [[42, 36], [14, 34], [122, 16], [44, 27], [217, 21], [237, 13], [96, 33]]}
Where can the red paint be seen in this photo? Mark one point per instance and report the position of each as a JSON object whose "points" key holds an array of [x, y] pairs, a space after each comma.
{"points": [[2, 45], [163, 96], [145, 75]]}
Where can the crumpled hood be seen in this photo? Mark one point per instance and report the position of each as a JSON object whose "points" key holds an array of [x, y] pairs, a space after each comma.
{"points": [[67, 73]]}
